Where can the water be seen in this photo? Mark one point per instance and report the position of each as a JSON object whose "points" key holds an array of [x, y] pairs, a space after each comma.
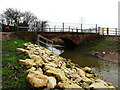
{"points": [[56, 51], [108, 70]]}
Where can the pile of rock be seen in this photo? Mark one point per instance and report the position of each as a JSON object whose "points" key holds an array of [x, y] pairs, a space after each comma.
{"points": [[52, 71]]}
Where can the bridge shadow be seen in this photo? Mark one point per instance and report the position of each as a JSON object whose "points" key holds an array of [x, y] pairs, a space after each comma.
{"points": [[68, 43]]}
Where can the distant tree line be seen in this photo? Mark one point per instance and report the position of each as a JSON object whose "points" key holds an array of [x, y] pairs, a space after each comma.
{"points": [[13, 18]]}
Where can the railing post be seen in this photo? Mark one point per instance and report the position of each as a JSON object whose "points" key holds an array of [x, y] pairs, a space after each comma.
{"points": [[72, 30], [116, 31], [107, 31], [90, 30], [69, 28], [49, 30], [99, 30], [102, 31], [96, 28], [38, 40], [63, 26], [54, 28], [81, 28], [77, 31], [52, 46]]}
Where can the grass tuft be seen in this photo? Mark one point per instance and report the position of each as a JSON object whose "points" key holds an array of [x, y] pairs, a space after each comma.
{"points": [[13, 75]]}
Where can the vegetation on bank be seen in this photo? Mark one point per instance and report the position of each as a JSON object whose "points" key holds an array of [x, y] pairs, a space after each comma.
{"points": [[13, 75], [105, 49], [99, 45]]}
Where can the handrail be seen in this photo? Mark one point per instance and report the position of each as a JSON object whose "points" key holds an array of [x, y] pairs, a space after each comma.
{"points": [[60, 29], [38, 40], [45, 38]]}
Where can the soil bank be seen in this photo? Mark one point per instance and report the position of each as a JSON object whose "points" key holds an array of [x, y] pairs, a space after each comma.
{"points": [[106, 48]]}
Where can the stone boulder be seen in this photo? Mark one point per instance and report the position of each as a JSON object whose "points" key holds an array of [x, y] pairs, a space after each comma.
{"points": [[101, 84], [98, 85], [59, 74], [50, 64], [20, 50], [68, 85], [37, 60], [87, 80], [44, 64], [81, 72], [28, 63], [31, 69], [87, 69], [51, 82], [90, 75], [37, 79]]}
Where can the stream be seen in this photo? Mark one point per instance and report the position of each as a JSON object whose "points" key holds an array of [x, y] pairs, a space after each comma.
{"points": [[107, 69]]}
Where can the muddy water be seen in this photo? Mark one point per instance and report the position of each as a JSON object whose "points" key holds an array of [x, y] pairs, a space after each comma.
{"points": [[108, 70]]}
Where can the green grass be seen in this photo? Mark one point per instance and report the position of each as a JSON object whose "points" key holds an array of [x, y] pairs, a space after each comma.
{"points": [[13, 75], [100, 45]]}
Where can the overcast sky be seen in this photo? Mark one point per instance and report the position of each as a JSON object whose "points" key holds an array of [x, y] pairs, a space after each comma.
{"points": [[102, 12]]}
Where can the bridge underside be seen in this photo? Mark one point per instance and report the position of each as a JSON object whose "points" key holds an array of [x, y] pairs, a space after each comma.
{"points": [[69, 43]]}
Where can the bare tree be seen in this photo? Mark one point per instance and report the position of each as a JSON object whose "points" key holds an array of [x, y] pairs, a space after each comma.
{"points": [[14, 17], [29, 18], [11, 17], [43, 25]]}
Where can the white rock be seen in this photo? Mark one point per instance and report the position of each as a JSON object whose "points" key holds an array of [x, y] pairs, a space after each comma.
{"points": [[81, 72], [28, 63], [37, 79], [31, 69], [68, 85], [87, 69], [103, 53], [98, 85], [51, 82]]}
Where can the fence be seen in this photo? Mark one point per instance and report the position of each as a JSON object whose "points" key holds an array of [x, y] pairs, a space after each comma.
{"points": [[64, 27], [108, 31]]}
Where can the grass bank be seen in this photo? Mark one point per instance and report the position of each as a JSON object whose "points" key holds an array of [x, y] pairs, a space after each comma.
{"points": [[13, 75], [102, 48]]}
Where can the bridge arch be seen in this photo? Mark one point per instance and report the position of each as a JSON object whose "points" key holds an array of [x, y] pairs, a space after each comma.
{"points": [[67, 41]]}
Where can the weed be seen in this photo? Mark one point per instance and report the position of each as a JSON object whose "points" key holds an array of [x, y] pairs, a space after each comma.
{"points": [[99, 45], [13, 75]]}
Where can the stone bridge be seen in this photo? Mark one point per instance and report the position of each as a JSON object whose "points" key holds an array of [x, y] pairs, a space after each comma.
{"points": [[73, 37]]}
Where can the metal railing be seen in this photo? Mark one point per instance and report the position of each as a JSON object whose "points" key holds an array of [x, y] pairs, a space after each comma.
{"points": [[47, 43], [77, 30], [64, 27]]}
